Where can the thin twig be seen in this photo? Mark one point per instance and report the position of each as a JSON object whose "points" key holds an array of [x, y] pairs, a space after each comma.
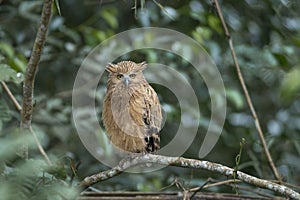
{"points": [[32, 67], [214, 184], [261, 193], [19, 108], [42, 151], [198, 189], [164, 9], [231, 183], [11, 96], [186, 163], [245, 90], [135, 8]]}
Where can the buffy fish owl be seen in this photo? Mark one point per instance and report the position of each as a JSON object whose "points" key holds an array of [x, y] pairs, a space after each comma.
{"points": [[131, 111]]}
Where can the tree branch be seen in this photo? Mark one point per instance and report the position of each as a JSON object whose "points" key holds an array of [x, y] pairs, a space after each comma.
{"points": [[186, 163], [19, 108], [11, 96], [32, 67], [42, 151], [248, 98]]}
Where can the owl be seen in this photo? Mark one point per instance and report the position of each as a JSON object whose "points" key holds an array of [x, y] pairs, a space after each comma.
{"points": [[132, 113]]}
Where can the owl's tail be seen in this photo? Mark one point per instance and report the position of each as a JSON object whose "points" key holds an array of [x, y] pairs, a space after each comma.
{"points": [[152, 140]]}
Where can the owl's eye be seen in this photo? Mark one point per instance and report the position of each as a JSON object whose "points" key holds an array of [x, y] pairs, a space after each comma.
{"points": [[119, 76], [132, 75]]}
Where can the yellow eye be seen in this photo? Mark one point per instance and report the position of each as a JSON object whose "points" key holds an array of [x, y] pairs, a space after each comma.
{"points": [[119, 76], [132, 75]]}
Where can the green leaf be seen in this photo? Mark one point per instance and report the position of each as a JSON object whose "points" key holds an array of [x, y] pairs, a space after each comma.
{"points": [[7, 49], [9, 56], [9, 146], [282, 60], [4, 112], [8, 74], [290, 85], [214, 23], [57, 7], [17, 63], [58, 171], [109, 17], [201, 33], [235, 97]]}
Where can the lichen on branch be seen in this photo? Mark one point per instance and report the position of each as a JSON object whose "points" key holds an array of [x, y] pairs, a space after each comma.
{"points": [[31, 70], [130, 162]]}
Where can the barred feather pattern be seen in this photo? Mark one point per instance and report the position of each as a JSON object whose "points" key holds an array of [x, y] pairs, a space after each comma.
{"points": [[131, 112]]}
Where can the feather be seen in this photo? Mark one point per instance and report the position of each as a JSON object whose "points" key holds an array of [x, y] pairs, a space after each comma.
{"points": [[131, 115]]}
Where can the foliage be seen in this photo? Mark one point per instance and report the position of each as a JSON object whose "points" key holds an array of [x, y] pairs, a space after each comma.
{"points": [[33, 178], [266, 35]]}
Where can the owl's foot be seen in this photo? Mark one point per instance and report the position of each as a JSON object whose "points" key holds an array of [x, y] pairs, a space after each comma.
{"points": [[152, 143]]}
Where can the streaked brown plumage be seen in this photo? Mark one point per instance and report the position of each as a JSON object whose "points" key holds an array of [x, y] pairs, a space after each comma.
{"points": [[131, 111]]}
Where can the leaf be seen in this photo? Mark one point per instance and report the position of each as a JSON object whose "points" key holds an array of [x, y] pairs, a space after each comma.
{"points": [[26, 9], [201, 33], [109, 16], [10, 145], [58, 171], [4, 112], [214, 23], [290, 85], [18, 64], [7, 49], [57, 7], [170, 15], [8, 74], [235, 97], [283, 61]]}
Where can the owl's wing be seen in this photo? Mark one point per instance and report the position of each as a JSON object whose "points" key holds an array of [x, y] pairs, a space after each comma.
{"points": [[152, 115], [146, 112], [152, 118]]}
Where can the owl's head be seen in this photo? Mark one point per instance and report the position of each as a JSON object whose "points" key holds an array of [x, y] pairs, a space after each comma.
{"points": [[126, 73]]}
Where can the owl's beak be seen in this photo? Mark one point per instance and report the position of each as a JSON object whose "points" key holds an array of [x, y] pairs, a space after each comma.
{"points": [[126, 81]]}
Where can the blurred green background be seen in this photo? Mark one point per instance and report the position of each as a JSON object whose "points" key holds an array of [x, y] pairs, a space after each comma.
{"points": [[266, 35]]}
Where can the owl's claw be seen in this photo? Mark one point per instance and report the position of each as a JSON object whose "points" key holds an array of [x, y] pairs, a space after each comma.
{"points": [[152, 143]]}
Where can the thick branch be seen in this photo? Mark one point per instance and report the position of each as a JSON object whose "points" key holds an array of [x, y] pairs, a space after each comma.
{"points": [[32, 67], [248, 98], [187, 163]]}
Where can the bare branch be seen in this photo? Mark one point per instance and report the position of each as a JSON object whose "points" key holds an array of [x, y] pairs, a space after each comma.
{"points": [[32, 67], [248, 98], [214, 184], [11, 96], [186, 163], [19, 108], [42, 151]]}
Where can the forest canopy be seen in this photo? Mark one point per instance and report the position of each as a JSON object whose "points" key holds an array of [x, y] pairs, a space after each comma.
{"points": [[266, 38]]}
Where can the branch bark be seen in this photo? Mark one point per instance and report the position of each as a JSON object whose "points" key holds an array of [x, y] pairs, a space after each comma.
{"points": [[248, 98], [186, 163], [32, 67]]}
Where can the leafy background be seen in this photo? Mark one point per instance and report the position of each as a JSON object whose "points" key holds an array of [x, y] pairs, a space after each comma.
{"points": [[266, 36]]}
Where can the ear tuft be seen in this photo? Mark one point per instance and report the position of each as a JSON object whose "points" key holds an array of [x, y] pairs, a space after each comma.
{"points": [[142, 65], [111, 68]]}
